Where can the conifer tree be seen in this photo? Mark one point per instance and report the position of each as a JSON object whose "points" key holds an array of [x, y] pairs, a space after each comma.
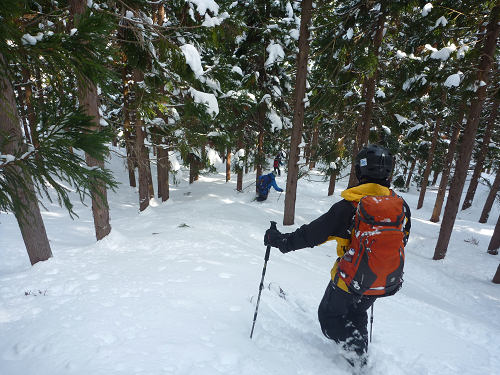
{"points": [[37, 162], [482, 79]]}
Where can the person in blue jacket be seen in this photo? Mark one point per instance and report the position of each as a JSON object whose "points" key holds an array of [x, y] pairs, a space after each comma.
{"points": [[264, 184]]}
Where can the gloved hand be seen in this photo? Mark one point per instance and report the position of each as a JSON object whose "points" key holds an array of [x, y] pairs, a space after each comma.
{"points": [[275, 238], [281, 190], [271, 238]]}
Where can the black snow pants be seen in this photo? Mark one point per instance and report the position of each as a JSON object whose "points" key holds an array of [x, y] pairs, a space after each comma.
{"points": [[261, 197], [343, 318]]}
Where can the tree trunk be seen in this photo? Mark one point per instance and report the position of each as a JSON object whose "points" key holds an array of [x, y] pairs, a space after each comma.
{"points": [[260, 148], [239, 167], [228, 164], [428, 166], [447, 165], [453, 201], [469, 197], [129, 138], [89, 100], [331, 185], [100, 208], [30, 221], [491, 199], [496, 278], [356, 147], [370, 82], [140, 149], [30, 111], [298, 115], [314, 145], [163, 168], [495, 240], [410, 173]]}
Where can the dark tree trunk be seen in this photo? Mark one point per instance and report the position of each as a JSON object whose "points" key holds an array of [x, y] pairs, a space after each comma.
{"points": [[453, 201], [410, 173], [30, 111], [129, 137], [370, 82], [260, 147], [357, 145], [228, 164], [163, 168], [298, 115], [100, 208], [194, 166], [496, 278], [314, 145], [435, 177], [30, 221], [89, 100], [140, 150], [239, 167], [331, 185], [428, 166], [485, 214], [447, 165], [469, 197], [495, 240]]}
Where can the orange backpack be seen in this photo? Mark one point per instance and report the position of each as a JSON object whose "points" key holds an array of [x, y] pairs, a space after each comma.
{"points": [[374, 263]]}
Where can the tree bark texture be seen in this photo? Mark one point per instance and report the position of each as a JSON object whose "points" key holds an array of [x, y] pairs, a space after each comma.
{"points": [[331, 185], [314, 145], [478, 169], [240, 146], [485, 214], [140, 151], [453, 201], [495, 240], [298, 115], [128, 132], [410, 173], [260, 147], [163, 169], [89, 100], [30, 222], [430, 160], [496, 278], [228, 164], [438, 205]]}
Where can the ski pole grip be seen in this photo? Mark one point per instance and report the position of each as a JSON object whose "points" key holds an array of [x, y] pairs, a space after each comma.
{"points": [[268, 250]]}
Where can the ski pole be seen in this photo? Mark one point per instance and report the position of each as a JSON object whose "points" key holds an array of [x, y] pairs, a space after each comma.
{"points": [[266, 258], [279, 196], [371, 323], [247, 186]]}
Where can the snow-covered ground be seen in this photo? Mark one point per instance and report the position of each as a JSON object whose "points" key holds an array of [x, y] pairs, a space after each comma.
{"points": [[172, 290]]}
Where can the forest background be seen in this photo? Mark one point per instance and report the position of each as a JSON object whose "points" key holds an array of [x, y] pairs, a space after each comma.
{"points": [[245, 79]]}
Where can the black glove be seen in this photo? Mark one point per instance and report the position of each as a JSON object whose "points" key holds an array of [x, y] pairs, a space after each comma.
{"points": [[281, 190], [271, 238], [275, 238]]}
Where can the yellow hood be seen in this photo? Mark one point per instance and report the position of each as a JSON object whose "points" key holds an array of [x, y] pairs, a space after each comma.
{"points": [[355, 193]]}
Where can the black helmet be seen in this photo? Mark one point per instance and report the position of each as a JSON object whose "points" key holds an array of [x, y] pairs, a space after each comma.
{"points": [[374, 161]]}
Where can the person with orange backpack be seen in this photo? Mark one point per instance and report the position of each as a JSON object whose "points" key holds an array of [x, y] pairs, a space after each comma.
{"points": [[371, 226]]}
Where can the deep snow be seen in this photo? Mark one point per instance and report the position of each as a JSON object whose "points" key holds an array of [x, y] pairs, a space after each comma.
{"points": [[169, 291]]}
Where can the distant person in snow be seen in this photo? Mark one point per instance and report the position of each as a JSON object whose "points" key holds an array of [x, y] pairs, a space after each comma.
{"points": [[277, 163], [264, 184], [369, 264]]}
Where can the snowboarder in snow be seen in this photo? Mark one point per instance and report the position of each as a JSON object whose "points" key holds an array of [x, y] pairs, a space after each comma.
{"points": [[277, 163], [264, 184], [343, 315]]}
